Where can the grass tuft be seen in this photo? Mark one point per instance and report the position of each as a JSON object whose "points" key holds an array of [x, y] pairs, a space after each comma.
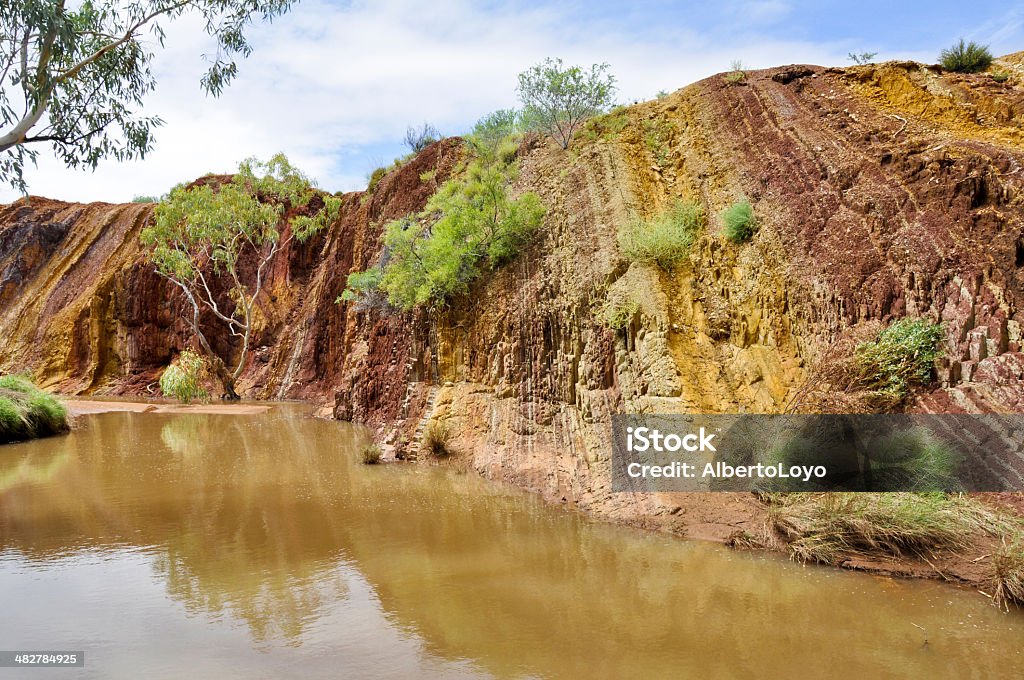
{"points": [[901, 356], [740, 223], [664, 240], [371, 454], [828, 527], [1008, 574], [26, 412], [437, 438]]}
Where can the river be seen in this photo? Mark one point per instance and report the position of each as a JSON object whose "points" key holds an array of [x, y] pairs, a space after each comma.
{"points": [[259, 546]]}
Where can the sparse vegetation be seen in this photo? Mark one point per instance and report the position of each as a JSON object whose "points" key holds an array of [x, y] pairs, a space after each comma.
{"points": [[497, 127], [370, 454], [374, 179], [468, 225], [966, 57], [736, 74], [739, 221], [145, 199], [437, 437], [27, 412], [183, 379], [902, 356], [658, 137], [419, 138], [827, 527], [557, 98], [665, 239], [1008, 572], [862, 58], [619, 311], [1000, 76], [605, 126]]}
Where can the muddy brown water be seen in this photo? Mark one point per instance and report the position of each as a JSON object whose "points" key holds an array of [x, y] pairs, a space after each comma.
{"points": [[257, 546]]}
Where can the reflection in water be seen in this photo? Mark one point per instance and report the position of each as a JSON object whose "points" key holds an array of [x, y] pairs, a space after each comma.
{"points": [[278, 555]]}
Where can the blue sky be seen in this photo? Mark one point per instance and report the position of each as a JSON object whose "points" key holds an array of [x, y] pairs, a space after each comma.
{"points": [[335, 84]]}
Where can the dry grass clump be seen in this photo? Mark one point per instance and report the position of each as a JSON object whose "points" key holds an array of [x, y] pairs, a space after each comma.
{"points": [[828, 527], [371, 454], [1008, 573], [437, 438]]}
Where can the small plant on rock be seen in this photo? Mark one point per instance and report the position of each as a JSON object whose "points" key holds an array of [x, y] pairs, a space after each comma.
{"points": [[665, 239], [437, 438], [371, 454], [740, 223], [737, 74], [966, 57]]}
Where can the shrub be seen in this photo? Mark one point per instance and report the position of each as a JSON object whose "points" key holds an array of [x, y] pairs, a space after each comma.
{"points": [[736, 75], [182, 380], [27, 412], [468, 225], [557, 99], [605, 126], [664, 240], [437, 438], [901, 357], [374, 179], [497, 127], [618, 312], [418, 139], [740, 223], [862, 58], [371, 454], [145, 199], [1000, 76], [1008, 573], [966, 57]]}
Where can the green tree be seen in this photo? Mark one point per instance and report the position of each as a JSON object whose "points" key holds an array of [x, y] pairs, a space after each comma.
{"points": [[557, 99], [200, 233], [71, 74], [183, 379]]}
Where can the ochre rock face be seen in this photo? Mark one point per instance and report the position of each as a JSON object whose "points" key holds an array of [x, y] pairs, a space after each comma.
{"points": [[881, 191]]}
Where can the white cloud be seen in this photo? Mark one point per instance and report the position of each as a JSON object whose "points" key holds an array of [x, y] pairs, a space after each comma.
{"points": [[331, 86]]}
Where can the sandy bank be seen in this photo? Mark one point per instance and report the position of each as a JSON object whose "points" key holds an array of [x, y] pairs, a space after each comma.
{"points": [[86, 406]]}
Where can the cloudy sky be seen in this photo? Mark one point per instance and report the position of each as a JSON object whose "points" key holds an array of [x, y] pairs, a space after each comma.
{"points": [[335, 84]]}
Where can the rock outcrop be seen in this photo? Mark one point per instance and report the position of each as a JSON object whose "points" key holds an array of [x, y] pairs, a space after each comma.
{"points": [[881, 191]]}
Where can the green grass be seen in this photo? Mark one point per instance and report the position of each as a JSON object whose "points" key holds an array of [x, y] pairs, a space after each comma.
{"points": [[740, 223], [26, 412], [966, 57], [665, 239], [619, 312], [828, 527], [1000, 76], [902, 356]]}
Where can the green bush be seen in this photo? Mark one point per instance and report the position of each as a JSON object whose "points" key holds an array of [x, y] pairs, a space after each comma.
{"points": [[1000, 76], [737, 74], [182, 380], [665, 239], [145, 199], [966, 57], [497, 127], [740, 223], [902, 356], [468, 225], [26, 412], [374, 179]]}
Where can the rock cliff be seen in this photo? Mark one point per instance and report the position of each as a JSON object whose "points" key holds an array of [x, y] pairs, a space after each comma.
{"points": [[882, 191]]}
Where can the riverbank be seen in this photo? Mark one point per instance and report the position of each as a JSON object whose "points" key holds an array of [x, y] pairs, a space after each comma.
{"points": [[26, 412], [89, 406]]}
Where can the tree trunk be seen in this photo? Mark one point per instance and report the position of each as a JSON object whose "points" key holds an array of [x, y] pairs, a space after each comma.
{"points": [[226, 379]]}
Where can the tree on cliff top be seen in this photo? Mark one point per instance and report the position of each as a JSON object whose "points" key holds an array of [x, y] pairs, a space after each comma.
{"points": [[72, 73], [557, 99], [201, 233]]}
